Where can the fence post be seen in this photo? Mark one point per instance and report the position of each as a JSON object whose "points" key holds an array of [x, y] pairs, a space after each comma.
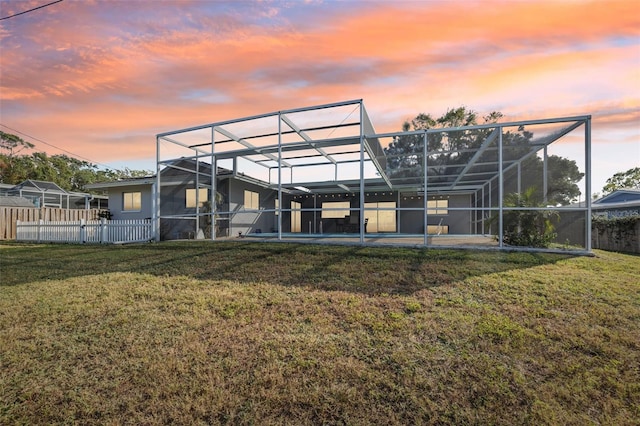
{"points": [[83, 231], [103, 230], [39, 228]]}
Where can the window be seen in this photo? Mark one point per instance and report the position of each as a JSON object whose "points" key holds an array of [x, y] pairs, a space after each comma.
{"points": [[380, 220], [131, 201], [251, 200], [342, 206], [438, 207], [203, 197]]}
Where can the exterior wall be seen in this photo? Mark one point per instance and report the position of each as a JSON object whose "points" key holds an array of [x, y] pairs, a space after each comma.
{"points": [[458, 221], [610, 212], [407, 222], [116, 199], [173, 202], [571, 228], [173, 199], [247, 222]]}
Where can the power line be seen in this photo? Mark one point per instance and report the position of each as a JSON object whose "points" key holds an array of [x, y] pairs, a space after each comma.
{"points": [[30, 10], [56, 147]]}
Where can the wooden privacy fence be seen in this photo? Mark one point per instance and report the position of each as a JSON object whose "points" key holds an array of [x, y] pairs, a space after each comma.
{"points": [[9, 216], [93, 231]]}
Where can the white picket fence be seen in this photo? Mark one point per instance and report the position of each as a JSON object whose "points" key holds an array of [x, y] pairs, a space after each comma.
{"points": [[86, 231]]}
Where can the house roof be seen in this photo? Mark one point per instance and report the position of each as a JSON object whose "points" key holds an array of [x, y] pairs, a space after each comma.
{"points": [[48, 189], [620, 196], [177, 170], [146, 180], [15, 202]]}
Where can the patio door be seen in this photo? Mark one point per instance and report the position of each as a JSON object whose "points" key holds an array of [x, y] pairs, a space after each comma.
{"points": [[296, 217], [380, 220]]}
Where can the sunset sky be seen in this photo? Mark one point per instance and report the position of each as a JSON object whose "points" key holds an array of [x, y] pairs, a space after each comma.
{"points": [[101, 78]]}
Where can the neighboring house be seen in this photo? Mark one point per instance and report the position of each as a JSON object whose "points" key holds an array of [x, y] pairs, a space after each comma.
{"points": [[4, 187], [620, 203], [48, 194]]}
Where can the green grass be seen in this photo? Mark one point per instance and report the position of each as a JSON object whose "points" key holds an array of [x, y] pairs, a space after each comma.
{"points": [[259, 333]]}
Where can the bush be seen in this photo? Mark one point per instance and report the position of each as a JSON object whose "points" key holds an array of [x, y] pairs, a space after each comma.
{"points": [[526, 228], [620, 228]]}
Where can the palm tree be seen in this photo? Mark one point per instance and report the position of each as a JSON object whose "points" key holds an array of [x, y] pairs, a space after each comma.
{"points": [[530, 228]]}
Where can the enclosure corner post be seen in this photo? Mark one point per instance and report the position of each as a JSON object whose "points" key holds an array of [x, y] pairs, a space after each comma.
{"points": [[362, 199], [155, 189], [587, 143], [500, 192]]}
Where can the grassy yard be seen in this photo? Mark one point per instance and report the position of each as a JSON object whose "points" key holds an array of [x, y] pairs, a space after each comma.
{"points": [[259, 333]]}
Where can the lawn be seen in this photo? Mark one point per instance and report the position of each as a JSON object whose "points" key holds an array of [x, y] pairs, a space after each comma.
{"points": [[267, 333]]}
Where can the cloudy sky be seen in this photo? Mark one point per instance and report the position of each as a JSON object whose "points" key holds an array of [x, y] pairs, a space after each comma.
{"points": [[100, 78]]}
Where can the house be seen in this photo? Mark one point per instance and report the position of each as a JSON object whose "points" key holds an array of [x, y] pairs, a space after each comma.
{"points": [[323, 172], [620, 203], [48, 194]]}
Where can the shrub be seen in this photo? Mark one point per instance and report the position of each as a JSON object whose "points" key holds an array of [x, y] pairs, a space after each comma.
{"points": [[528, 228]]}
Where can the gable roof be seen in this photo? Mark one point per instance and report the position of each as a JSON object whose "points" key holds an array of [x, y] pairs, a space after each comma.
{"points": [[146, 180], [177, 169], [620, 196], [39, 186]]}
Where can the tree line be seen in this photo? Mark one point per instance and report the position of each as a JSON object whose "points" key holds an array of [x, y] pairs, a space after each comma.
{"points": [[404, 159], [71, 174]]}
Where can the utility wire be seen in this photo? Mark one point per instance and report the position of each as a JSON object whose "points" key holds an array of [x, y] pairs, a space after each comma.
{"points": [[53, 146], [30, 10]]}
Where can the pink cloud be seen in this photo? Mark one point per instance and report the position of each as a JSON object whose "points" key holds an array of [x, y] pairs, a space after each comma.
{"points": [[94, 76]]}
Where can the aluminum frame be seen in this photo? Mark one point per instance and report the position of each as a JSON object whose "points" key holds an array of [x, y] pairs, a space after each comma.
{"points": [[295, 139]]}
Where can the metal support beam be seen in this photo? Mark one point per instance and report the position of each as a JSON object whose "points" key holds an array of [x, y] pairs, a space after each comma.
{"points": [[306, 137], [156, 194], [545, 170], [587, 160], [500, 192], [280, 179], [425, 216], [251, 146], [361, 176], [214, 186], [476, 156], [376, 163], [197, 199]]}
